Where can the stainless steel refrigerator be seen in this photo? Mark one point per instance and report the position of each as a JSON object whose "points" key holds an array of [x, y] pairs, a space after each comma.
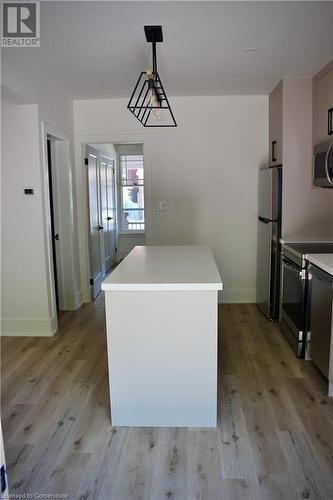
{"points": [[269, 233]]}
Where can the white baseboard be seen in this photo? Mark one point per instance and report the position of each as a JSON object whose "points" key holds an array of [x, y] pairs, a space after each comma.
{"points": [[79, 299], [47, 327], [241, 296], [73, 303], [13, 327]]}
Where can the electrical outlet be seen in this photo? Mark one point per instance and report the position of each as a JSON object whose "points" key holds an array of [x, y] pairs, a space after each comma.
{"points": [[161, 206], [29, 190]]}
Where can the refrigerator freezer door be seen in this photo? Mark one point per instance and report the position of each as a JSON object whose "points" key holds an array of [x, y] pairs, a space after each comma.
{"points": [[264, 265], [268, 193]]}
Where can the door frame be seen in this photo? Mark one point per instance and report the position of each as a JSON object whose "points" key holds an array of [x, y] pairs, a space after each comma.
{"points": [[69, 298], [81, 198]]}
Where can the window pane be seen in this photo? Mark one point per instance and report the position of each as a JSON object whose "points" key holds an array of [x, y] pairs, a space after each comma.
{"points": [[133, 220], [132, 192], [131, 168], [133, 197]]}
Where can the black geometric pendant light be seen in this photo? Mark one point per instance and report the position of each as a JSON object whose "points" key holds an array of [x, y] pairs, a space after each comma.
{"points": [[149, 102]]}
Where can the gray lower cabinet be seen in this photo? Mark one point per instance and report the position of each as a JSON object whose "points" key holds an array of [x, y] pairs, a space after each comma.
{"points": [[321, 297]]}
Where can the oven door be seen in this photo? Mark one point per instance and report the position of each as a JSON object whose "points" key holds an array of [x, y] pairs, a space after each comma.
{"points": [[293, 320]]}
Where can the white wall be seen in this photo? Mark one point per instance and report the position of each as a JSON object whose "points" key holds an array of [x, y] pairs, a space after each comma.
{"points": [[206, 170], [26, 308], [27, 101], [54, 105]]}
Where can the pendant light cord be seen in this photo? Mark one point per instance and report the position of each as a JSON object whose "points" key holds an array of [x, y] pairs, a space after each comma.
{"points": [[154, 59]]}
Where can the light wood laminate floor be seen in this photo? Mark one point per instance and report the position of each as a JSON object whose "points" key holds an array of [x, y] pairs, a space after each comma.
{"points": [[274, 440]]}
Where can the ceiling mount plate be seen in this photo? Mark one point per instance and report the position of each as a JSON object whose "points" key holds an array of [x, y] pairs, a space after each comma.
{"points": [[154, 33]]}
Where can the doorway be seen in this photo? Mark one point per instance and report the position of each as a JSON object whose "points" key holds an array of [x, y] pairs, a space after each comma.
{"points": [[112, 146], [60, 236]]}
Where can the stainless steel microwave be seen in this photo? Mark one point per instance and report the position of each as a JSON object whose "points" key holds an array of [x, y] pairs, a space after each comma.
{"points": [[323, 164]]}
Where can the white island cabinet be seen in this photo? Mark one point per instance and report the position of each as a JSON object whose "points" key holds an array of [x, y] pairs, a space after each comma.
{"points": [[161, 317]]}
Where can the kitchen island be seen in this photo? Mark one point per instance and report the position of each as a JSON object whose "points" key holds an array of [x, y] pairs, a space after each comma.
{"points": [[161, 319]]}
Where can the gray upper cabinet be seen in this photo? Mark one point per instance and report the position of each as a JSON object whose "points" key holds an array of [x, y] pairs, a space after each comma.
{"points": [[323, 105], [275, 126]]}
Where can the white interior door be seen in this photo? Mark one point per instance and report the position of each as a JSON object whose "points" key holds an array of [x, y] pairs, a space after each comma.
{"points": [[55, 218], [95, 227], [108, 204], [103, 211]]}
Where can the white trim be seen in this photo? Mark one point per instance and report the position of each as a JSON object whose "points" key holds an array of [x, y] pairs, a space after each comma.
{"points": [[12, 327], [79, 298], [82, 189]]}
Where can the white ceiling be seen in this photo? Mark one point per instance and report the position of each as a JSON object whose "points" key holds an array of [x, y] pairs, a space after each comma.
{"points": [[97, 49]]}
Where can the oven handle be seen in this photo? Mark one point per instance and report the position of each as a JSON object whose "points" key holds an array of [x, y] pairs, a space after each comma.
{"points": [[330, 180]]}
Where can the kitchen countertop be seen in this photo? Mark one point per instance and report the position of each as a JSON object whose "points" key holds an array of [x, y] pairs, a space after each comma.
{"points": [[306, 239], [166, 268], [322, 260], [320, 233]]}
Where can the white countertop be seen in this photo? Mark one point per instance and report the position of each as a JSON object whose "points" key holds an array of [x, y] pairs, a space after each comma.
{"points": [[322, 260], [166, 268]]}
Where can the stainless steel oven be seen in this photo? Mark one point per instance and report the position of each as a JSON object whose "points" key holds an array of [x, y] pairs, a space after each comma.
{"points": [[294, 312], [323, 164], [293, 304]]}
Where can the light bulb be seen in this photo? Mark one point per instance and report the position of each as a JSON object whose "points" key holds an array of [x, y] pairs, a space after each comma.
{"points": [[153, 103], [158, 113], [152, 98]]}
